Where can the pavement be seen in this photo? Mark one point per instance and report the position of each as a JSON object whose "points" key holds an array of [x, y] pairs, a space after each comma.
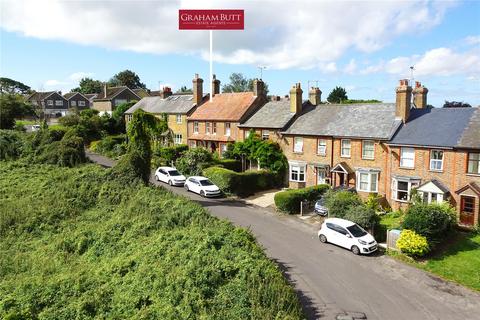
{"points": [[331, 282]]}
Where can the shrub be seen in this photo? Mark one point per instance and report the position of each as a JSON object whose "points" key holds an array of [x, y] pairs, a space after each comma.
{"points": [[289, 201], [362, 215], [167, 155], [412, 244], [110, 146], [241, 184], [230, 164], [433, 221], [10, 145], [194, 161], [338, 202], [67, 152]]}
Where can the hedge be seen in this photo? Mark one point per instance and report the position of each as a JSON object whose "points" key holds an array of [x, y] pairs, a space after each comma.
{"points": [[289, 201], [412, 244], [230, 164], [240, 184]]}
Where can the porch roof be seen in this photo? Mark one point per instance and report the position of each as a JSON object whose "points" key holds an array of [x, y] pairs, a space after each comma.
{"points": [[472, 186], [434, 186], [342, 167]]}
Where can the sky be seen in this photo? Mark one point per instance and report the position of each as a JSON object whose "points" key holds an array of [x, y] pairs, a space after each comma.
{"points": [[363, 46]]}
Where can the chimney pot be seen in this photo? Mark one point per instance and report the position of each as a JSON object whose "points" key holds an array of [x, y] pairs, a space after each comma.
{"points": [[420, 96], [197, 89], [315, 96], [215, 85], [403, 100]]}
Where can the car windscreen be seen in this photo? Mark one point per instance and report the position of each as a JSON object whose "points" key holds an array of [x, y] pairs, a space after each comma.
{"points": [[206, 183], [174, 173], [356, 231]]}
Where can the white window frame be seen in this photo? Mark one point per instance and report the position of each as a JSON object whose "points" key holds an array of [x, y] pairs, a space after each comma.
{"points": [[434, 162], [298, 144], [49, 102], [227, 129], [178, 138], [207, 128], [322, 147], [81, 103], [364, 156], [247, 134], [223, 149], [299, 171], [427, 197], [214, 128], [265, 134], [73, 103], [178, 118], [403, 158], [470, 163], [344, 148], [372, 181], [195, 127], [410, 185], [58, 103], [322, 175], [128, 117]]}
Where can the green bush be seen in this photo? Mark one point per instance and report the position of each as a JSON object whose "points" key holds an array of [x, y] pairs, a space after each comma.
{"points": [[289, 201], [433, 221], [412, 244], [338, 202], [168, 155], [362, 215], [230, 164], [194, 161], [241, 184], [68, 152], [11, 143], [110, 146]]}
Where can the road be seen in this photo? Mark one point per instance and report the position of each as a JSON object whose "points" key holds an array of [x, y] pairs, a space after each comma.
{"points": [[331, 281]]}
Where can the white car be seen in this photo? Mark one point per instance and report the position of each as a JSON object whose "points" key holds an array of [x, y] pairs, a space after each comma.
{"points": [[347, 234], [170, 175], [202, 186]]}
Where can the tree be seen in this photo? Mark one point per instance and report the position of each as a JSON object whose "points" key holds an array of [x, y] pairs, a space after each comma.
{"points": [[8, 85], [456, 104], [88, 85], [12, 106], [184, 89], [238, 83], [118, 117], [127, 78], [337, 95]]}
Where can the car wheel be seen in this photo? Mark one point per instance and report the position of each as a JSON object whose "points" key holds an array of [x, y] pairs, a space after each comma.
{"points": [[156, 178], [202, 193], [355, 250], [322, 238], [170, 183], [186, 187]]}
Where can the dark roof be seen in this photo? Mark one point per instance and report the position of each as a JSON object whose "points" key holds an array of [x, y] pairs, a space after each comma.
{"points": [[172, 104], [225, 106], [435, 127], [38, 96], [112, 92], [437, 183], [376, 121], [471, 136], [91, 95], [274, 115], [71, 94]]}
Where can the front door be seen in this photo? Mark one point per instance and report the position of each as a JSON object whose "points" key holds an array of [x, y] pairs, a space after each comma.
{"points": [[321, 175], [467, 210]]}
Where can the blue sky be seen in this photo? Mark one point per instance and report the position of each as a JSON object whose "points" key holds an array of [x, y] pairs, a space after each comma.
{"points": [[363, 46]]}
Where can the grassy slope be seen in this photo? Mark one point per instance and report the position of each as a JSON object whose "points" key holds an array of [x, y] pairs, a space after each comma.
{"points": [[75, 244]]}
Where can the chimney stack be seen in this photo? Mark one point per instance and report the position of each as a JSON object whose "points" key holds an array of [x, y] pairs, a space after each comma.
{"points": [[215, 85], [104, 90], [275, 98], [315, 96], [296, 99], [166, 92], [420, 96], [403, 100], [259, 88], [197, 89]]}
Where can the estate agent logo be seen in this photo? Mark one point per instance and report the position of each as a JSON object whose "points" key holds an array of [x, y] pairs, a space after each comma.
{"points": [[210, 19]]}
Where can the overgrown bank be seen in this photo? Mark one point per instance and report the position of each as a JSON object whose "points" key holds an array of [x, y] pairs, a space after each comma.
{"points": [[79, 243]]}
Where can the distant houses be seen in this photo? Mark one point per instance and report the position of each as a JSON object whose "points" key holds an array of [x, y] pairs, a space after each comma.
{"points": [[51, 103], [111, 97]]}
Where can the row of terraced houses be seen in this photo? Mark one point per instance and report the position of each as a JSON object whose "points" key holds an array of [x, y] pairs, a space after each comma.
{"points": [[384, 148]]}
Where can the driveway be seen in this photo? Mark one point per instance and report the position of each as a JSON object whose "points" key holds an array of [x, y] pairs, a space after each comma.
{"points": [[332, 281]]}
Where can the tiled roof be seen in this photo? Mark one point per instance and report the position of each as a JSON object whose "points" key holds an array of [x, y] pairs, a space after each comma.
{"points": [[273, 115], [471, 135], [91, 96], [438, 127], [210, 137], [112, 92], [38, 96], [71, 94], [173, 104], [225, 106], [375, 121]]}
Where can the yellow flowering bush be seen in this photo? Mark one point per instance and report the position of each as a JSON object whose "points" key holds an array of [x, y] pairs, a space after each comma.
{"points": [[412, 244]]}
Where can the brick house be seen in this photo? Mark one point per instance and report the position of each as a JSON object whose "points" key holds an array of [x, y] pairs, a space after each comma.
{"points": [[77, 100], [51, 103], [111, 97], [340, 145], [215, 123], [437, 152], [176, 107]]}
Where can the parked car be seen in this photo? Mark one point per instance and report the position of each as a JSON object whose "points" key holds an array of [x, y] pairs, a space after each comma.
{"points": [[170, 175], [35, 127], [347, 234], [202, 186], [320, 208]]}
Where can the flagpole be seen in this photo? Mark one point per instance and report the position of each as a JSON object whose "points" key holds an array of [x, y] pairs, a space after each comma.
{"points": [[211, 65]]}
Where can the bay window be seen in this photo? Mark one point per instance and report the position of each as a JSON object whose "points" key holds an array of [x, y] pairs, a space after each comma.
{"points": [[368, 149], [436, 160], [322, 147], [473, 163], [345, 149], [407, 158], [297, 173], [298, 144], [401, 188]]}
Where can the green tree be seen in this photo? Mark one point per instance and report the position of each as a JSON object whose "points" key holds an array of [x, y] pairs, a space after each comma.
{"points": [[8, 85], [338, 95], [127, 78], [118, 116], [239, 83], [456, 104], [193, 161], [12, 106], [88, 85], [184, 89]]}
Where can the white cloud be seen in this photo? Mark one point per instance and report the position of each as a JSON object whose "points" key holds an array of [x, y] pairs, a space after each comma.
{"points": [[77, 76], [472, 40], [280, 34], [351, 67], [53, 83]]}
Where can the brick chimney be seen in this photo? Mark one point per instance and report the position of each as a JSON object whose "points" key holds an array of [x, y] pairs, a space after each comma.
{"points": [[315, 96], [215, 85], [197, 89], [420, 96], [275, 98], [104, 90], [296, 99], [259, 88], [166, 92], [403, 101]]}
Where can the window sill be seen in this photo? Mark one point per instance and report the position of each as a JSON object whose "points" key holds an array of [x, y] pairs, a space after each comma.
{"points": [[296, 152], [297, 181], [473, 174], [437, 171], [321, 155], [368, 158], [407, 168], [401, 201], [347, 157]]}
